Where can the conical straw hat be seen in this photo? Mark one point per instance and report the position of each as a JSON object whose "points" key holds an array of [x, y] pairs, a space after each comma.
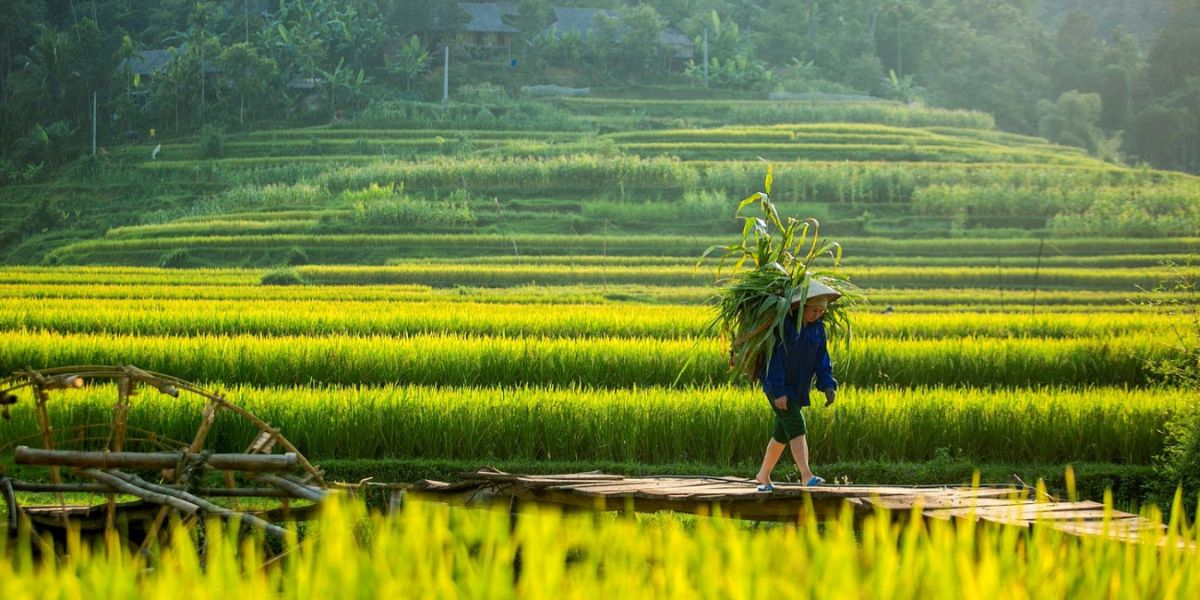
{"points": [[816, 289]]}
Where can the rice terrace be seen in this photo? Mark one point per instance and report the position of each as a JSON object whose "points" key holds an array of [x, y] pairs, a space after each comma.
{"points": [[657, 298]]}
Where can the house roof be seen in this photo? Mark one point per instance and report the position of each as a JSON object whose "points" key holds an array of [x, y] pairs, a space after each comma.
{"points": [[148, 62], [485, 18], [582, 20], [577, 20], [508, 8], [674, 37]]}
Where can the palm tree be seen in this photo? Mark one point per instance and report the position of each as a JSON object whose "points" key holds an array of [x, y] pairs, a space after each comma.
{"points": [[48, 64]]}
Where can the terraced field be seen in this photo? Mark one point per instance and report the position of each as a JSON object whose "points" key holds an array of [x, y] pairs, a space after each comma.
{"points": [[614, 171], [408, 295]]}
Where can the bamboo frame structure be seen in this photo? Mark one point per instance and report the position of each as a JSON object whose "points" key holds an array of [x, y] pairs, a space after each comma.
{"points": [[98, 456]]}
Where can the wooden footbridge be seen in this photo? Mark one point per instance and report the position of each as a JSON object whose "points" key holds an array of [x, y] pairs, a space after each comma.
{"points": [[738, 498]]}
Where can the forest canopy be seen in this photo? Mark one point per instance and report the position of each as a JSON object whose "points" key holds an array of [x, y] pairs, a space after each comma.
{"points": [[1120, 78]]}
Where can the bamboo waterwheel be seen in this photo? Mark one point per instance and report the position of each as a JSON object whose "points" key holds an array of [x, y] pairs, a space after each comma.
{"points": [[108, 474]]}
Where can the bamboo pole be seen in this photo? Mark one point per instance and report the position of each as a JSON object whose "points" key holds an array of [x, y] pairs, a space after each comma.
{"points": [[98, 488], [151, 460], [295, 489], [145, 494], [200, 502], [10, 502]]}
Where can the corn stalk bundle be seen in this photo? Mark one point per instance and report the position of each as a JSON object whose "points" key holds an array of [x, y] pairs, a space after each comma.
{"points": [[774, 262]]}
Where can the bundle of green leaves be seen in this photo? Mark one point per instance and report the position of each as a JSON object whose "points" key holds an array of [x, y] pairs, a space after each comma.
{"points": [[776, 260]]}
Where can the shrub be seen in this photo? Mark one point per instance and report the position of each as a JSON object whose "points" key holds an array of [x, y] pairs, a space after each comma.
{"points": [[389, 206], [283, 277], [174, 259], [212, 142], [1179, 464], [295, 256]]}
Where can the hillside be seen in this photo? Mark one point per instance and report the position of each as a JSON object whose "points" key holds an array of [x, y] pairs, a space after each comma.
{"points": [[381, 187]]}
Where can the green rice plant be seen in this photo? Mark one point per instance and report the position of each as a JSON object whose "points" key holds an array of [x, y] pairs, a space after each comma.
{"points": [[242, 284], [718, 426], [908, 301], [526, 176], [1133, 213], [409, 312], [376, 248], [39, 276], [391, 207], [844, 150], [1171, 201], [865, 277], [818, 180], [446, 359], [352, 135], [264, 216], [223, 227], [757, 112], [542, 553]]}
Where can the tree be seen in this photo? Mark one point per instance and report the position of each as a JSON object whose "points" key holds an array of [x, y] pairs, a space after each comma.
{"points": [[410, 62], [342, 80], [1175, 53], [249, 75], [638, 47], [1078, 53], [533, 17], [980, 55], [442, 16], [1121, 77], [48, 67], [901, 88], [1072, 120], [1167, 133], [202, 16], [18, 19]]}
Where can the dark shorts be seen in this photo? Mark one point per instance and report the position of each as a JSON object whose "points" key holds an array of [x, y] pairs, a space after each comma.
{"points": [[789, 423]]}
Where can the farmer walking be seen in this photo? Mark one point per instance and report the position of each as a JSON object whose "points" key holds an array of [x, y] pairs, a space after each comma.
{"points": [[799, 358]]}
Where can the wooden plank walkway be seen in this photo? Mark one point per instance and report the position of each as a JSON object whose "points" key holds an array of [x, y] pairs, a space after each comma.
{"points": [[737, 497]]}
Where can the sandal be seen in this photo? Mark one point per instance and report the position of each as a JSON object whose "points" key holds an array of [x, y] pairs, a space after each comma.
{"points": [[765, 487], [815, 481]]}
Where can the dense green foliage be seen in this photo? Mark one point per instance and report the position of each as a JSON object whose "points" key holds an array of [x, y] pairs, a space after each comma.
{"points": [[1072, 74]]}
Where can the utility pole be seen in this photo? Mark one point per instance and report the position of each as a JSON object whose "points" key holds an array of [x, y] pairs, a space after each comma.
{"points": [[446, 77], [94, 125], [706, 57]]}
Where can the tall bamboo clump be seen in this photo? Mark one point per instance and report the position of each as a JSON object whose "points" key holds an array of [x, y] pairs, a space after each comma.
{"points": [[774, 262]]}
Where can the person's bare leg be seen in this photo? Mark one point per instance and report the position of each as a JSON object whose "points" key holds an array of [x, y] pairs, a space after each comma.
{"points": [[770, 458], [799, 445]]}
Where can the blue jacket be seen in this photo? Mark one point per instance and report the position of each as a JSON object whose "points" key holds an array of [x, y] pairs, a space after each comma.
{"points": [[796, 360]]}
